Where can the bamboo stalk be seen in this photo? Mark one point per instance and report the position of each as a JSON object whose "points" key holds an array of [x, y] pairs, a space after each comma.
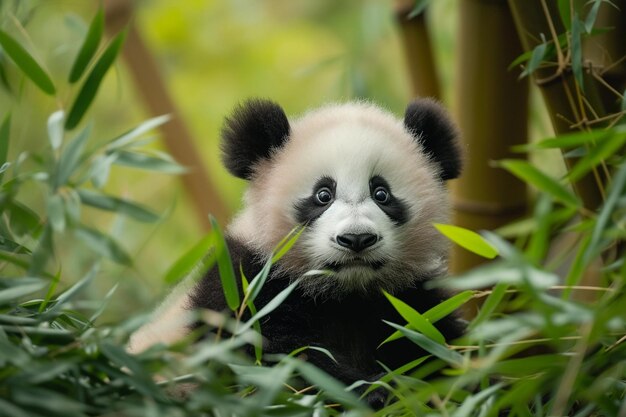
{"points": [[417, 50], [153, 91], [492, 112], [559, 89]]}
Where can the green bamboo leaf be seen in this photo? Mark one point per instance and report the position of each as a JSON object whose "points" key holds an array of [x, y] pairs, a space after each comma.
{"points": [[438, 312], [573, 140], [5, 130], [199, 254], [418, 8], [590, 20], [56, 212], [225, 267], [258, 281], [13, 294], [269, 307], [470, 404], [70, 158], [89, 47], [71, 292], [468, 239], [565, 13], [436, 349], [531, 175], [491, 303], [26, 63], [103, 244], [119, 205], [448, 306], [55, 129], [535, 60], [137, 131], [327, 383], [287, 243], [415, 319], [92, 83], [603, 150], [148, 162], [577, 54], [615, 193]]}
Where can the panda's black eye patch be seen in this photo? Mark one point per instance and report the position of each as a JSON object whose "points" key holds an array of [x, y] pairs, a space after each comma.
{"points": [[393, 207], [310, 208]]}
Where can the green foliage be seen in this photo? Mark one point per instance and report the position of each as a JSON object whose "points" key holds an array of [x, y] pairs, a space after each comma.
{"points": [[534, 348]]}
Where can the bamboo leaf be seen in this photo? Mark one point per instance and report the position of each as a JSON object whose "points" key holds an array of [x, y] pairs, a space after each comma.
{"points": [[448, 306], [199, 254], [577, 54], [573, 140], [70, 158], [13, 294], [468, 239], [148, 162], [436, 349], [92, 83], [535, 60], [491, 303], [71, 292], [225, 267], [531, 175], [55, 129], [415, 319], [137, 131], [103, 245], [590, 20], [287, 243], [269, 307], [603, 150], [56, 212], [26, 63], [418, 8], [5, 131], [119, 205], [327, 383], [615, 192], [89, 47]]}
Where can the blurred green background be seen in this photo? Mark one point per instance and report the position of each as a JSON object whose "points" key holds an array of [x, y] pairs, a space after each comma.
{"points": [[212, 55]]}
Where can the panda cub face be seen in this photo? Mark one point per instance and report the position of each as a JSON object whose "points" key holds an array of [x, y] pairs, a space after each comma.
{"points": [[366, 185]]}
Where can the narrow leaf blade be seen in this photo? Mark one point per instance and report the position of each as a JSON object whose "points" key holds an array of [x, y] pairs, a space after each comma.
{"points": [[89, 47], [225, 267], [26, 63], [468, 239], [92, 83]]}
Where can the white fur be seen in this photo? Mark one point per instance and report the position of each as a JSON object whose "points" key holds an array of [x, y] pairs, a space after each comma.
{"points": [[349, 143]]}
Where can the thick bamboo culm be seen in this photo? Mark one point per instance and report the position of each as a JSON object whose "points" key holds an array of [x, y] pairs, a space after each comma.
{"points": [[147, 79], [492, 112], [417, 50], [559, 92]]}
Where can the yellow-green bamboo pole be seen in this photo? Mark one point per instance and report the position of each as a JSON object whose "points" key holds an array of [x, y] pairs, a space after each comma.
{"points": [[492, 112], [417, 50], [146, 76]]}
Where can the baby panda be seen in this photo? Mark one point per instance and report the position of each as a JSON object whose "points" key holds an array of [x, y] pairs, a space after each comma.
{"points": [[367, 187]]}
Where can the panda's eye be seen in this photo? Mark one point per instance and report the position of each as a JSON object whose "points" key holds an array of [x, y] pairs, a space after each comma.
{"points": [[381, 195], [324, 196]]}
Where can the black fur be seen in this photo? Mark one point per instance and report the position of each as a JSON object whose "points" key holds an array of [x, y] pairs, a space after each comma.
{"points": [[428, 120], [351, 328], [395, 208], [309, 209], [254, 129]]}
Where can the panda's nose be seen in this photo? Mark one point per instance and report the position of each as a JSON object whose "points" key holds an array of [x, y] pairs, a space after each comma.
{"points": [[357, 242]]}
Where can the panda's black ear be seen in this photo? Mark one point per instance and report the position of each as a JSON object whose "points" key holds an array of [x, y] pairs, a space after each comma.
{"points": [[429, 123], [250, 133]]}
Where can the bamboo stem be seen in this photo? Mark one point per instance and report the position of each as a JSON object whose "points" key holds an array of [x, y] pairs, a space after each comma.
{"points": [[149, 82], [417, 51]]}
